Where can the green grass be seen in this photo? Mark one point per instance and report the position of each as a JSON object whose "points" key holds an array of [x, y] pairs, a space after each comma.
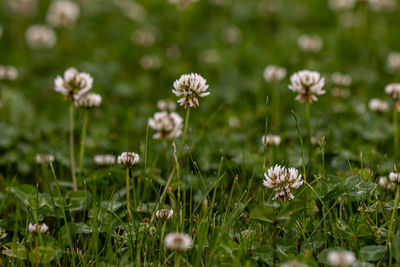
{"points": [[212, 176]]}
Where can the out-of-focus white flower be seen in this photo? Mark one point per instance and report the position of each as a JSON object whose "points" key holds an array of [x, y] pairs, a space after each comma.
{"points": [[393, 62], [74, 84], [341, 79], [382, 5], [166, 105], [23, 7], [209, 56], [234, 122], [282, 180], [164, 214], [173, 52], [150, 62], [178, 241], [377, 105], [40, 36], [395, 177], [293, 264], [144, 37], [167, 125], [348, 20], [271, 139], [89, 100], [183, 3], [310, 43], [8, 73], [385, 183], [34, 228], [308, 84], [341, 258], [393, 89], [104, 160], [63, 13], [317, 140], [44, 159], [232, 35], [341, 92], [128, 159], [132, 10], [189, 87], [340, 5], [274, 73]]}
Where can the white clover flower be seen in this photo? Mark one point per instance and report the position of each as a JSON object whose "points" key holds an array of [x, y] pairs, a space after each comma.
{"points": [[308, 84], [271, 139], [104, 160], [34, 228], [74, 84], [189, 87], [393, 62], [63, 13], [293, 264], [150, 62], [183, 3], [282, 180], [274, 73], [393, 89], [131, 10], [178, 241], [144, 37], [341, 92], [44, 159], [128, 159], [310, 43], [395, 177], [340, 5], [166, 105], [164, 214], [341, 79], [382, 5], [341, 258], [89, 100], [385, 183], [232, 35], [40, 36], [209, 56], [23, 7], [8, 73], [377, 105], [167, 125]]}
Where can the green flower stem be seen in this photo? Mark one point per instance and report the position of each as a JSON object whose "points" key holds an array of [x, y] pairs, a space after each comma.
{"points": [[71, 145], [309, 136], [396, 203], [395, 131], [82, 143], [184, 132], [36, 251], [128, 203]]}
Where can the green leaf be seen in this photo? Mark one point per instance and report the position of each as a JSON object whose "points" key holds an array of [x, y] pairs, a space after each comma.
{"points": [[371, 253]]}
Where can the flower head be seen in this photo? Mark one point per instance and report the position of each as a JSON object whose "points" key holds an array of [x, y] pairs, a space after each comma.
{"points": [[40, 37], [89, 100], [164, 214], [178, 241], [166, 105], [340, 5], [393, 89], [44, 159], [308, 84], [341, 258], [274, 73], [166, 125], [104, 160], [271, 139], [128, 159], [34, 228], [282, 180], [62, 13], [395, 177], [393, 62], [385, 183], [23, 7], [293, 264], [8, 73], [189, 87], [382, 5], [377, 105], [310, 43], [341, 79], [74, 84]]}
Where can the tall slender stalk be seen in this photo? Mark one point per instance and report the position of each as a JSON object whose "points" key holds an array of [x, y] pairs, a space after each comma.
{"points": [[395, 131], [36, 251], [128, 203], [392, 219], [309, 136], [266, 129], [184, 132], [71, 145], [275, 224], [82, 143]]}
